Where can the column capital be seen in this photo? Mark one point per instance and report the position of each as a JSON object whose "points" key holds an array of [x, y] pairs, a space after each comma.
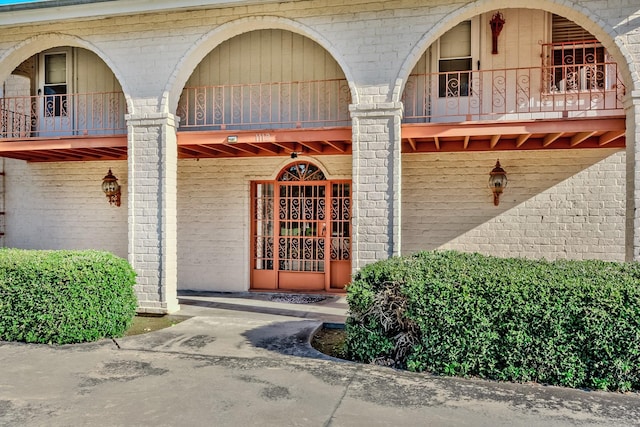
{"points": [[632, 99], [152, 119], [380, 109]]}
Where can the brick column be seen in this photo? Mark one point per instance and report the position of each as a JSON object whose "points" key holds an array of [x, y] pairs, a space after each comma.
{"points": [[153, 162], [632, 236], [376, 182]]}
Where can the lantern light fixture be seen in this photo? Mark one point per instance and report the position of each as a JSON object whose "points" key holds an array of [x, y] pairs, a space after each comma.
{"points": [[111, 188], [497, 182]]}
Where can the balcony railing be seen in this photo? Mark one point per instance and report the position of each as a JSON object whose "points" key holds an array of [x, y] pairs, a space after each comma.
{"points": [[576, 90], [318, 103], [62, 115]]}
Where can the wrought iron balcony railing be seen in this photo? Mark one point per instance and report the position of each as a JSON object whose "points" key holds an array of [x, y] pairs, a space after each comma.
{"points": [[62, 115], [318, 103], [572, 90]]}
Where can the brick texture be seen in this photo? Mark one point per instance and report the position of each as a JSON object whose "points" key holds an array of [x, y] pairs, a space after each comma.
{"points": [[558, 204]]}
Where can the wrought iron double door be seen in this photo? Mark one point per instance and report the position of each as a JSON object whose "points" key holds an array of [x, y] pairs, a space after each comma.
{"points": [[301, 235]]}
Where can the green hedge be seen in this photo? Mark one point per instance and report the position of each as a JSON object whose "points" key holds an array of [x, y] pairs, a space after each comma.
{"points": [[64, 296], [570, 323]]}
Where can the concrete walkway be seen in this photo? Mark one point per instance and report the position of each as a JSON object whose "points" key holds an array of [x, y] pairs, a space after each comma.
{"points": [[244, 360]]}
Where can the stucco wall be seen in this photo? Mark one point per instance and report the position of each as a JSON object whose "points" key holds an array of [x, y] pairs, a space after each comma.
{"points": [[558, 204]]}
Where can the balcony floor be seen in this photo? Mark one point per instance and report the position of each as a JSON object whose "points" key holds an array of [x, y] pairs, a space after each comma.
{"points": [[608, 132], [66, 149], [260, 143], [521, 135]]}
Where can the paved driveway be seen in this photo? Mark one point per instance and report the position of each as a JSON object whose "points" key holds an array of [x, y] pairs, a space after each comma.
{"points": [[246, 361]]}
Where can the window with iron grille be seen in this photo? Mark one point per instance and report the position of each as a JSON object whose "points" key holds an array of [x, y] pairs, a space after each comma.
{"points": [[454, 63]]}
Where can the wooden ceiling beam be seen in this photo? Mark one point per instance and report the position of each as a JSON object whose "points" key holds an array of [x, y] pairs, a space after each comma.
{"points": [[581, 137], [610, 137], [312, 145], [551, 138], [212, 150], [340, 146], [490, 128], [270, 148], [521, 139], [494, 141], [240, 147]]}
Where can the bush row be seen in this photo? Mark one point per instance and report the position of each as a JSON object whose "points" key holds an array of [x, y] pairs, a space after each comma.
{"points": [[569, 323], [64, 296]]}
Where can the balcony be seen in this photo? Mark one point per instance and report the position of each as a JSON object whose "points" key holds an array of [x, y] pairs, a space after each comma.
{"points": [[565, 91], [512, 108], [54, 116], [564, 106], [265, 119], [67, 127], [308, 104]]}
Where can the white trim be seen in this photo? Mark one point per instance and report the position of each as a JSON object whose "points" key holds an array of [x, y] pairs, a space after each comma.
{"points": [[64, 10]]}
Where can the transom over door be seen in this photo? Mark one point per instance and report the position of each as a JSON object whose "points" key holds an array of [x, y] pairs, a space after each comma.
{"points": [[301, 231]]}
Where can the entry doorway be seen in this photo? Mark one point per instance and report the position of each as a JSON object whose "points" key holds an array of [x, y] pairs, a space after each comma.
{"points": [[55, 108], [301, 231]]}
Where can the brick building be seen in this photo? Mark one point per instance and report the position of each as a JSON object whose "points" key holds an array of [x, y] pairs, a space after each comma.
{"points": [[283, 145]]}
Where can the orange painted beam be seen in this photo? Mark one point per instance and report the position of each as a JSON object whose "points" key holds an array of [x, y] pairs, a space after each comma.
{"points": [[268, 135], [66, 143], [581, 137], [609, 137], [312, 145], [466, 142], [550, 138], [463, 129], [522, 139]]}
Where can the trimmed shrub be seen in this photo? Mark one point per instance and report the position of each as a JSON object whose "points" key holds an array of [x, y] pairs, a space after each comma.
{"points": [[64, 296], [569, 323]]}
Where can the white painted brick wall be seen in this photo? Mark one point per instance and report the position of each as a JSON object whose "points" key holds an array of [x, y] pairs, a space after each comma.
{"points": [[377, 43], [152, 162], [558, 204], [62, 206]]}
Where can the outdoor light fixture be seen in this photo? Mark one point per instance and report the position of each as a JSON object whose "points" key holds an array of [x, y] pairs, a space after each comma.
{"points": [[497, 182], [496, 24], [111, 188], [294, 155]]}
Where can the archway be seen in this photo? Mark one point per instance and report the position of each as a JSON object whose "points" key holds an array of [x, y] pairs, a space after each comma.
{"points": [[301, 231]]}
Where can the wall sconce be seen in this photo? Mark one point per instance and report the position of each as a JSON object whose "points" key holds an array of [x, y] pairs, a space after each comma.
{"points": [[496, 24], [497, 182], [111, 188]]}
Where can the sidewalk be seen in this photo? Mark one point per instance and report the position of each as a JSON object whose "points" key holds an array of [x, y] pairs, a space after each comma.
{"points": [[245, 360]]}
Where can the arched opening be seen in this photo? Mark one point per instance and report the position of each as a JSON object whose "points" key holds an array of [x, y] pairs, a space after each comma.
{"points": [[547, 71], [548, 105], [272, 81], [301, 231], [63, 92]]}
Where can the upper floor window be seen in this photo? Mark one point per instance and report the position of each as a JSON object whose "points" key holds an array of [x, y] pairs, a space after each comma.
{"points": [[575, 60], [54, 83], [455, 61]]}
